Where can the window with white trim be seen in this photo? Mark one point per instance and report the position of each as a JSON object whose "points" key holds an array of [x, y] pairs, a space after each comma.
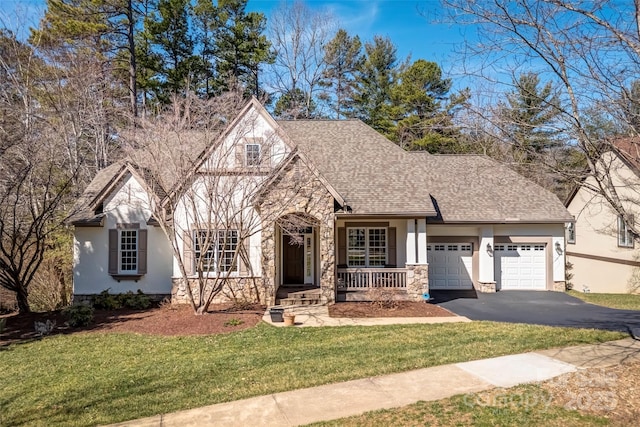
{"points": [[128, 251], [253, 154], [367, 247], [571, 232], [625, 235], [215, 250]]}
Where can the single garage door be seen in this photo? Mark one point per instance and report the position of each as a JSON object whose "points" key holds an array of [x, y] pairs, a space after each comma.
{"points": [[449, 266], [520, 266]]}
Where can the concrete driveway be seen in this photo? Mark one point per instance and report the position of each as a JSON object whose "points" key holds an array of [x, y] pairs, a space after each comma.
{"points": [[537, 307]]}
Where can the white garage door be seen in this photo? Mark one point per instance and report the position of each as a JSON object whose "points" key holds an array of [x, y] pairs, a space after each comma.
{"points": [[449, 266], [520, 266]]}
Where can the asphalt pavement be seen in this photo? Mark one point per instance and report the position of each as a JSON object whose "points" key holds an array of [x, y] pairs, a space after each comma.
{"points": [[537, 307]]}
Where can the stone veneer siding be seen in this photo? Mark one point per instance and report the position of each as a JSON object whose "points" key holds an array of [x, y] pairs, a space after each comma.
{"points": [[417, 281], [486, 287], [298, 192], [236, 289]]}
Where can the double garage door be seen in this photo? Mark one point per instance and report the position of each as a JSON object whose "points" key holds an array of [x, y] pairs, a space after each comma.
{"points": [[517, 266]]}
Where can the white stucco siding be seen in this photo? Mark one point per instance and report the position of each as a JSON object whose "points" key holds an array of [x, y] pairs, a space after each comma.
{"points": [[127, 205], [233, 206], [254, 127]]}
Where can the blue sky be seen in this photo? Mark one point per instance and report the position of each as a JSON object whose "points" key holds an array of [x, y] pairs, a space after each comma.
{"points": [[409, 23]]}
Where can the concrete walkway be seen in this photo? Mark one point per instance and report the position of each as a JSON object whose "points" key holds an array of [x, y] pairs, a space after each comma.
{"points": [[344, 399], [318, 315]]}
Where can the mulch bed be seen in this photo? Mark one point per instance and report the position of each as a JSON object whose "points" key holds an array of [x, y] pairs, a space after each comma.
{"points": [[167, 321], [180, 320], [396, 309]]}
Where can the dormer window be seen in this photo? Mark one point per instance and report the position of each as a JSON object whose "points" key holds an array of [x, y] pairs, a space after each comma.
{"points": [[252, 154]]}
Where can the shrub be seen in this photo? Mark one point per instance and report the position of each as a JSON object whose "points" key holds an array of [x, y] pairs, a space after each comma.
{"points": [[233, 322], [568, 275], [106, 301], [79, 315], [382, 298], [137, 301]]}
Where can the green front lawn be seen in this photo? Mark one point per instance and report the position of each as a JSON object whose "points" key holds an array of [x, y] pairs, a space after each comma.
{"points": [[98, 378], [621, 301]]}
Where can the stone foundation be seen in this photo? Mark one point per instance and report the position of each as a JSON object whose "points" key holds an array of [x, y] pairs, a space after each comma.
{"points": [[417, 281], [87, 299], [486, 287], [234, 289], [559, 286]]}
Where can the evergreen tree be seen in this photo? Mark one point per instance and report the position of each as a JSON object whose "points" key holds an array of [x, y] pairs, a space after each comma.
{"points": [[529, 118], [375, 80], [241, 46], [102, 29], [173, 40], [343, 56], [422, 121], [290, 105], [205, 22]]}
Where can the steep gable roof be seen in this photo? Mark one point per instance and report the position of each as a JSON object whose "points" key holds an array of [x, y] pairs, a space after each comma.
{"points": [[365, 168]]}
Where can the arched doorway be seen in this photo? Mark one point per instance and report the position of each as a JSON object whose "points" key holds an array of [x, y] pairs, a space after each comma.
{"points": [[299, 256]]}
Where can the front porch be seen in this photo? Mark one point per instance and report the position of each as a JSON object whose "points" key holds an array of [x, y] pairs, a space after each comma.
{"points": [[365, 284]]}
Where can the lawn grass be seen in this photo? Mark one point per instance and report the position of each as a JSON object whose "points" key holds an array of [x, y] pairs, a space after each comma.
{"points": [[524, 405], [621, 301], [98, 378]]}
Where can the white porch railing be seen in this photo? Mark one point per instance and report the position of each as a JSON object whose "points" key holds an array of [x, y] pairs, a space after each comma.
{"points": [[365, 278]]}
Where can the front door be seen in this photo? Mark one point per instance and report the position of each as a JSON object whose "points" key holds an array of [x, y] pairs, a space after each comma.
{"points": [[298, 259], [292, 261]]}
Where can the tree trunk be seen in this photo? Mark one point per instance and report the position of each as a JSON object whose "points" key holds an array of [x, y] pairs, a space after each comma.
{"points": [[133, 87], [22, 299]]}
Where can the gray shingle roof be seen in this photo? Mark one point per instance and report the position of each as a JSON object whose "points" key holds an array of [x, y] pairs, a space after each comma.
{"points": [[469, 188], [375, 176], [365, 168], [82, 212]]}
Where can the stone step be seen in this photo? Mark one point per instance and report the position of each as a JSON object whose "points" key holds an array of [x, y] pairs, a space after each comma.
{"points": [[315, 300]]}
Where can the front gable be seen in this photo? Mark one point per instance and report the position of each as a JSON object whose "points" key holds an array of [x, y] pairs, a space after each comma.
{"points": [[253, 144]]}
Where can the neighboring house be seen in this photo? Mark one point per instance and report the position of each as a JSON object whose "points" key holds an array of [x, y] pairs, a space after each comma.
{"points": [[365, 214], [600, 246]]}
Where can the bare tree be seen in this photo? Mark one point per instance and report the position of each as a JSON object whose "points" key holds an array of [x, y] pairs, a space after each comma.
{"points": [[299, 35], [205, 179], [36, 177], [589, 51]]}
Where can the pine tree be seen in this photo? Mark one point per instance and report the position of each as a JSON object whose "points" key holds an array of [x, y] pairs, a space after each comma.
{"points": [[343, 56], [423, 122], [375, 80], [241, 46], [529, 116], [173, 40]]}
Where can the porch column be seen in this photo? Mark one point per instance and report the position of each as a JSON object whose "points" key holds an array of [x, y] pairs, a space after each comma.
{"points": [[422, 241], [411, 241], [486, 276]]}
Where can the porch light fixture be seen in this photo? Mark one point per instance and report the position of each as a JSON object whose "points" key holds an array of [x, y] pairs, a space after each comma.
{"points": [[489, 249], [559, 248]]}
